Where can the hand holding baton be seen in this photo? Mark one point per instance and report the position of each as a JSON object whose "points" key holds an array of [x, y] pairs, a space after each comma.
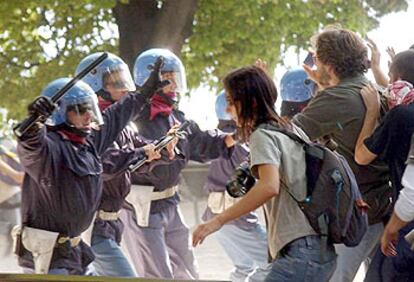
{"points": [[26, 124], [162, 143]]}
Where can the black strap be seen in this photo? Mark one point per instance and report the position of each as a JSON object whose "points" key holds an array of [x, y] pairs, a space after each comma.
{"points": [[316, 152], [311, 150]]}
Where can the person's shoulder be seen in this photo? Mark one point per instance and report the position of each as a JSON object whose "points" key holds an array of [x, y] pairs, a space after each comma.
{"points": [[328, 96], [348, 85], [405, 112], [54, 135], [261, 132], [266, 131]]}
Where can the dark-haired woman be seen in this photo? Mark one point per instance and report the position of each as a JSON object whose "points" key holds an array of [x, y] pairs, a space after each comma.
{"points": [[279, 165]]}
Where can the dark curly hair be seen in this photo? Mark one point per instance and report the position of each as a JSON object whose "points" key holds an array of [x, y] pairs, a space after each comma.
{"points": [[343, 50], [254, 94]]}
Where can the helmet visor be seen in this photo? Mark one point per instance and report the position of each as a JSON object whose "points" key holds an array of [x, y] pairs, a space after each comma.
{"points": [[118, 78], [177, 79], [83, 113]]}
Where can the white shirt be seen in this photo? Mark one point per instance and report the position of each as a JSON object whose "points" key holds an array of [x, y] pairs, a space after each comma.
{"points": [[404, 207]]}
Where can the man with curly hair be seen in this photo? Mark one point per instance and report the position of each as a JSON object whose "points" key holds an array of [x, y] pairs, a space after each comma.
{"points": [[338, 111]]}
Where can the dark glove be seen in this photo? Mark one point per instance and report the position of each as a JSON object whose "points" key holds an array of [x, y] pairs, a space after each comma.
{"points": [[154, 84], [42, 106]]}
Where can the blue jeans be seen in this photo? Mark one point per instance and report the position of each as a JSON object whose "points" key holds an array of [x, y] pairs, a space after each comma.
{"points": [[247, 250], [350, 258], [398, 268], [300, 260], [109, 259]]}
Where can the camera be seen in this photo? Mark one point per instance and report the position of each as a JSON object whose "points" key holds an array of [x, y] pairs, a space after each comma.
{"points": [[241, 181]]}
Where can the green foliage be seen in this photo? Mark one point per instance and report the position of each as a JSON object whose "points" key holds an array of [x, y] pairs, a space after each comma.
{"points": [[229, 34], [41, 40], [44, 39]]}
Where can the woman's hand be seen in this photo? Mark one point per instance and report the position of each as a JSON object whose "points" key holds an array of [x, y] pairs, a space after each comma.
{"points": [[205, 229]]}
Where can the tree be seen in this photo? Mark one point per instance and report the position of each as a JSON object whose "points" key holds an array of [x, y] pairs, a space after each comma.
{"points": [[45, 39], [148, 23]]}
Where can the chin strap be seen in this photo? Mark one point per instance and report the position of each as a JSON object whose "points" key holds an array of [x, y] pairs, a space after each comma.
{"points": [[105, 95], [72, 133]]}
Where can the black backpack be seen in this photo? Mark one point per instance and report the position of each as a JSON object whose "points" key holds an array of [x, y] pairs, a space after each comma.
{"points": [[333, 203]]}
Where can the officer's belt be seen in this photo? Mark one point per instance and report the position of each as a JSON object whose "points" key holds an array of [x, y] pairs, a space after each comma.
{"points": [[220, 201], [108, 216], [74, 241], [141, 197], [167, 193]]}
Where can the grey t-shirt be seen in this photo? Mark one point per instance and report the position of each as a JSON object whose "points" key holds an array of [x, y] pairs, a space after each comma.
{"points": [[339, 112], [285, 220]]}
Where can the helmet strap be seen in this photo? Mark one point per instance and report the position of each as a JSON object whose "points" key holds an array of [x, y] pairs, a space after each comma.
{"points": [[227, 125], [105, 95], [79, 132]]}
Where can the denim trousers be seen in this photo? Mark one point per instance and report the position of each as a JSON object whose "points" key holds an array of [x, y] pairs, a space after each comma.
{"points": [[109, 259], [247, 249], [350, 258], [300, 260]]}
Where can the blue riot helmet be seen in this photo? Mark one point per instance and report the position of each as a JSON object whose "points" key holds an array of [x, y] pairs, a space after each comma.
{"points": [[221, 107], [172, 66], [110, 75], [296, 90], [79, 99], [295, 86]]}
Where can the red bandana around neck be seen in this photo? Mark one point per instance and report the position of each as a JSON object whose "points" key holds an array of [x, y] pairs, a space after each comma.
{"points": [[400, 92], [103, 104], [72, 136], [159, 105]]}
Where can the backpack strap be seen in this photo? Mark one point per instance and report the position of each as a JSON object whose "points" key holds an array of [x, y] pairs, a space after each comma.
{"points": [[316, 152], [295, 138], [288, 133]]}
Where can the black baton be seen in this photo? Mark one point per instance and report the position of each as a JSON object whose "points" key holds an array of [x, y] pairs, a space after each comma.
{"points": [[23, 126], [159, 145]]}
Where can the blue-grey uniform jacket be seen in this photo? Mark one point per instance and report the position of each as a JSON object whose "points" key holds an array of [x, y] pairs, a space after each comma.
{"points": [[126, 150], [199, 146], [63, 184]]}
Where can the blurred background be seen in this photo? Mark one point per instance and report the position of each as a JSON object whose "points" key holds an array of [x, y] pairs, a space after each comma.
{"points": [[41, 40]]}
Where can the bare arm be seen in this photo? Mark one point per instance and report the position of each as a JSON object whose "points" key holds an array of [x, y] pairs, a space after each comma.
{"points": [[380, 77], [265, 188], [363, 156]]}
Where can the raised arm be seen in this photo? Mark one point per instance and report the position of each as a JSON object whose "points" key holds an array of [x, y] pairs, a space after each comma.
{"points": [[208, 145], [380, 77]]}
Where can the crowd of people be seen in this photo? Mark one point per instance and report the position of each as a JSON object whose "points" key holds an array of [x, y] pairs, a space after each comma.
{"points": [[85, 211]]}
